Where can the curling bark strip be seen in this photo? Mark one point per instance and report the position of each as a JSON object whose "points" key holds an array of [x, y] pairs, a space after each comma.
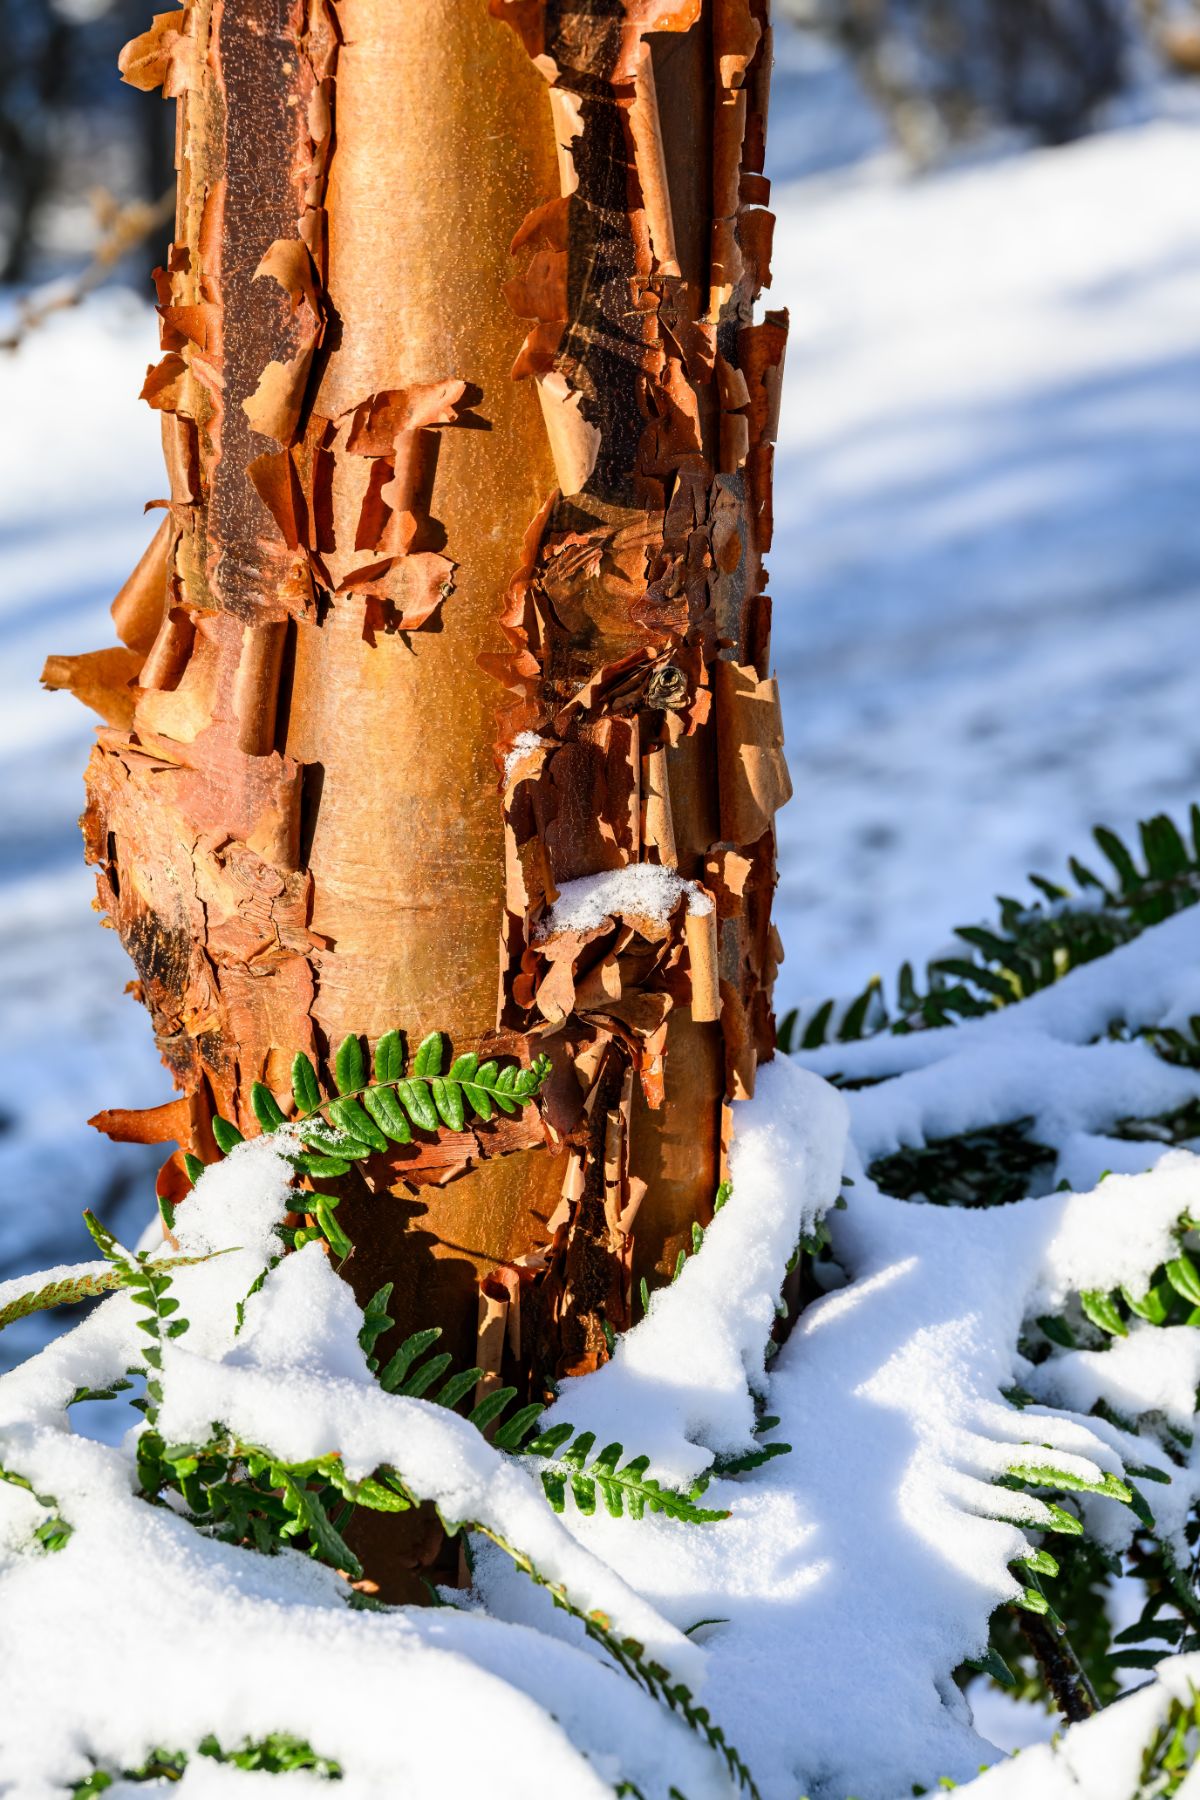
{"points": [[292, 802]]}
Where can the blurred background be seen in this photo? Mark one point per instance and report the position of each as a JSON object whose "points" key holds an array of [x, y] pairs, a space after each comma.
{"points": [[986, 571]]}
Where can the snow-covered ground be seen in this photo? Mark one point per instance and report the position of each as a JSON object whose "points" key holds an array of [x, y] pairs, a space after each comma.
{"points": [[987, 568], [986, 577], [71, 527]]}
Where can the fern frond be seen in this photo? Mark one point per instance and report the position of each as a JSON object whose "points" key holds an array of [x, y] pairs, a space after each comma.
{"points": [[277, 1754], [993, 1664], [1039, 1475], [54, 1531], [750, 1459], [1031, 946], [990, 1166], [149, 1286], [571, 1466], [569, 1463], [362, 1118], [368, 1114], [376, 1320], [243, 1492], [630, 1656], [72, 1290]]}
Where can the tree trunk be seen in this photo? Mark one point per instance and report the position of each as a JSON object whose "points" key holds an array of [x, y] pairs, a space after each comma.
{"points": [[424, 636]]}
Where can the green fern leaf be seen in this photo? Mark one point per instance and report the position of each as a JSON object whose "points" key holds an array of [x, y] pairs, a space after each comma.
{"points": [[630, 1486], [816, 1032], [322, 1211], [376, 1320], [512, 1434], [993, 1664], [1154, 1305], [384, 1108], [310, 1516], [389, 1058], [349, 1068], [351, 1118], [1184, 1277], [479, 1098], [424, 1376], [1038, 1475], [1062, 1521], [1101, 1309], [554, 1486], [306, 1090], [227, 1136], [415, 1098], [1118, 856], [751, 1459], [998, 985], [1040, 1561], [412, 1348], [491, 1407], [583, 1492], [324, 1168], [266, 1109], [430, 1055], [323, 1140], [854, 1022], [448, 1099], [454, 1391]]}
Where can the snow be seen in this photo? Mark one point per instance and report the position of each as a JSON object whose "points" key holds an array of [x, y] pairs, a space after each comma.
{"points": [[1035, 1060], [523, 745], [384, 1687], [871, 1558], [240, 1199], [985, 565], [71, 1040], [153, 1613], [302, 1322], [638, 891], [1154, 1369], [687, 1371]]}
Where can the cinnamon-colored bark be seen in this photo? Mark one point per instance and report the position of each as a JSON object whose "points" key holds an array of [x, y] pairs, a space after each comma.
{"points": [[458, 597]]}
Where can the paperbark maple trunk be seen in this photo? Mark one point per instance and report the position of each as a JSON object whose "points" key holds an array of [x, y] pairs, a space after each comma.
{"points": [[424, 635]]}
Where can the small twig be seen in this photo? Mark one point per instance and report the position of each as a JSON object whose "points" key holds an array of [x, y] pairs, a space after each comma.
{"points": [[125, 227], [1062, 1670]]}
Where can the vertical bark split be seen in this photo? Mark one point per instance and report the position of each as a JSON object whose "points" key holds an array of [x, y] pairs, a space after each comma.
{"points": [[293, 802]]}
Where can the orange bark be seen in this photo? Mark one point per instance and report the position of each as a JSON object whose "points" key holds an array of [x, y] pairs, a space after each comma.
{"points": [[376, 537]]}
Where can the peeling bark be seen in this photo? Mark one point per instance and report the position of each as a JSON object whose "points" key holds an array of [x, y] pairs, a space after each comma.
{"points": [[403, 549], [639, 606]]}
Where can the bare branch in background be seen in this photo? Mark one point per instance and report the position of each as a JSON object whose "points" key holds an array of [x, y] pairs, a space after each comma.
{"points": [[124, 228]]}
